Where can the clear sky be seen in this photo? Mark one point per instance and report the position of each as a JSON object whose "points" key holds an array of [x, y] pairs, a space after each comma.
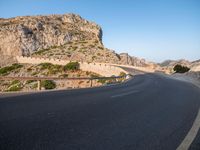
{"points": [[151, 29]]}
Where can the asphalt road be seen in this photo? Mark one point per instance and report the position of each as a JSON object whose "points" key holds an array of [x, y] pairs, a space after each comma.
{"points": [[148, 112]]}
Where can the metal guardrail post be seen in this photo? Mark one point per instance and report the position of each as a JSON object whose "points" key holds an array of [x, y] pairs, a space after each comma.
{"points": [[39, 85], [91, 83]]}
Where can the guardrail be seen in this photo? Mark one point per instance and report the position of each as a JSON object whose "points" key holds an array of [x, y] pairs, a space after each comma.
{"points": [[39, 79]]}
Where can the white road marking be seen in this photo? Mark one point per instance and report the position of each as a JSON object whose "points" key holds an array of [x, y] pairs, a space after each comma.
{"points": [[124, 94], [185, 145]]}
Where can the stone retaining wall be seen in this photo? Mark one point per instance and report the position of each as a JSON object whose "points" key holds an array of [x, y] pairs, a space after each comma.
{"points": [[99, 68]]}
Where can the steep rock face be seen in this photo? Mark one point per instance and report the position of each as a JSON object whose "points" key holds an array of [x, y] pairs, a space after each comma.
{"points": [[26, 35], [126, 59]]}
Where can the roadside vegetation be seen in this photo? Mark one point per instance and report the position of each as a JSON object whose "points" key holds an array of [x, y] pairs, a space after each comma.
{"points": [[73, 66], [15, 86], [181, 69], [6, 70], [70, 70], [48, 84]]}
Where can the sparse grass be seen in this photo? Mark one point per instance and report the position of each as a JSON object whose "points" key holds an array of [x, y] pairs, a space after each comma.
{"points": [[30, 81], [17, 86], [41, 51], [45, 66]]}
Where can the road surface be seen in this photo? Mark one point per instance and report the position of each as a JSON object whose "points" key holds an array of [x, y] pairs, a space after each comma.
{"points": [[150, 111]]}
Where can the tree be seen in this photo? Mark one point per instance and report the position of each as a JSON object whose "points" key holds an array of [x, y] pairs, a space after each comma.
{"points": [[181, 69]]}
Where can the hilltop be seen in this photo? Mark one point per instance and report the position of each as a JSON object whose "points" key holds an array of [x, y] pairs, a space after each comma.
{"points": [[193, 65]]}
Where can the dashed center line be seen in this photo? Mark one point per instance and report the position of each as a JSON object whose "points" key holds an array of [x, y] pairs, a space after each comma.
{"points": [[124, 94]]}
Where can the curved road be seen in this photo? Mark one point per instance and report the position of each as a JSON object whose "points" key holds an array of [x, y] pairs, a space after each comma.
{"points": [[150, 111]]}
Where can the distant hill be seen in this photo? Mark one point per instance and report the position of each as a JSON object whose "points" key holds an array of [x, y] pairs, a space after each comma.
{"points": [[169, 64]]}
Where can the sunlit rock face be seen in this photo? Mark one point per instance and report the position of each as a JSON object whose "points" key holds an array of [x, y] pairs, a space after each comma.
{"points": [[25, 35], [67, 37]]}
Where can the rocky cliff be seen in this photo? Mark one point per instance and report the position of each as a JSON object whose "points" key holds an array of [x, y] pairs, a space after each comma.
{"points": [[25, 35], [57, 36]]}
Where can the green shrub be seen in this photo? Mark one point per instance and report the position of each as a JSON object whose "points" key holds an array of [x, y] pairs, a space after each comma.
{"points": [[6, 70], [48, 84], [102, 81], [181, 69], [55, 69], [72, 66], [122, 74], [52, 69]]}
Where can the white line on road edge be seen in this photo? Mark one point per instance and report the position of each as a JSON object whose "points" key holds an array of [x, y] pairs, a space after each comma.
{"points": [[124, 94], [185, 145]]}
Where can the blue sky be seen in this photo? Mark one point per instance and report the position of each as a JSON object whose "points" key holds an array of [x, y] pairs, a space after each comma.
{"points": [[151, 29]]}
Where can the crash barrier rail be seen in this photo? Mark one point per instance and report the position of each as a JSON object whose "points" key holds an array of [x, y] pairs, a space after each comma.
{"points": [[39, 79]]}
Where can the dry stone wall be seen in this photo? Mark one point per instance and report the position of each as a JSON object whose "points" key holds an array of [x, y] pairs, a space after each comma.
{"points": [[99, 68]]}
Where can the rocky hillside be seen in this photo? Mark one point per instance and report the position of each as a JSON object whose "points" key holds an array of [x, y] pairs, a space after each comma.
{"points": [[58, 36]]}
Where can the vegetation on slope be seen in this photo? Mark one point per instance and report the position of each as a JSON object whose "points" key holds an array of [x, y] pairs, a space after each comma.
{"points": [[8, 69], [181, 69]]}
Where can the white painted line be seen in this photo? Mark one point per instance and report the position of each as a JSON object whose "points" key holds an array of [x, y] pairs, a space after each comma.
{"points": [[124, 94], [185, 145]]}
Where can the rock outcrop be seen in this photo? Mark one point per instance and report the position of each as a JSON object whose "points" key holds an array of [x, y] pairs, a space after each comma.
{"points": [[26, 35]]}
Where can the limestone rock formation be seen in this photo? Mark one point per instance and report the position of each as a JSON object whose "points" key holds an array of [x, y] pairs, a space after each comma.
{"points": [[67, 36], [25, 35]]}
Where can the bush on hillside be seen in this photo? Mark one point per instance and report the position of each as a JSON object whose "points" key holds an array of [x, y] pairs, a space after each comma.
{"points": [[52, 69], [122, 74], [6, 70], [73, 66], [48, 84], [181, 69]]}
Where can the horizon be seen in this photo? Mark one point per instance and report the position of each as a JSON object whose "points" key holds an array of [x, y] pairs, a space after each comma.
{"points": [[156, 31]]}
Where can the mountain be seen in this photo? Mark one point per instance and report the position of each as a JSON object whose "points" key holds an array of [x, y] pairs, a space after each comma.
{"points": [[67, 36]]}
